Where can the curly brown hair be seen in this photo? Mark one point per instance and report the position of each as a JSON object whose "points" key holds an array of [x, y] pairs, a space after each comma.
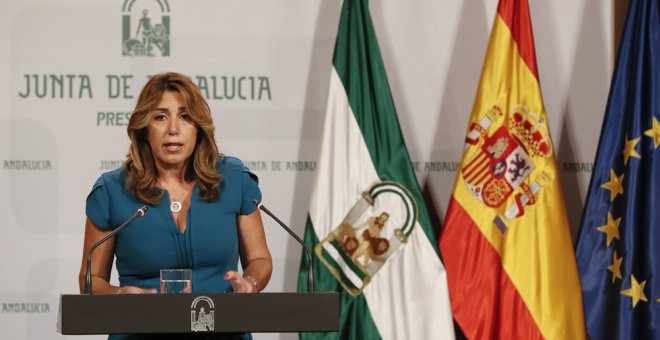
{"points": [[141, 172]]}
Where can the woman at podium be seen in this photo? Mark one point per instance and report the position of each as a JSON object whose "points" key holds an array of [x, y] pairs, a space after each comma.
{"points": [[201, 213]]}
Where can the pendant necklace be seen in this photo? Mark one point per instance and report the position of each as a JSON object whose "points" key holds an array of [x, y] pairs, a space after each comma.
{"points": [[175, 204]]}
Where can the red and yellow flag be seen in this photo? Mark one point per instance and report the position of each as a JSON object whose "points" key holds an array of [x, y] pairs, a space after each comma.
{"points": [[506, 242]]}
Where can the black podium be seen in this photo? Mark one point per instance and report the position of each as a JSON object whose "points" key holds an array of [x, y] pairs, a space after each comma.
{"points": [[198, 313]]}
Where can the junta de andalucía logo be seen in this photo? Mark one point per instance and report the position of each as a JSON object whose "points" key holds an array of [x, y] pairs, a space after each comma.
{"points": [[145, 28]]}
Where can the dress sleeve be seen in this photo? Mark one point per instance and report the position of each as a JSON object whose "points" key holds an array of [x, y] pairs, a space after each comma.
{"points": [[251, 191], [98, 205]]}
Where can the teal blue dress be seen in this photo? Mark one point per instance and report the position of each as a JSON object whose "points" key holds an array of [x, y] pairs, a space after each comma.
{"points": [[208, 246]]}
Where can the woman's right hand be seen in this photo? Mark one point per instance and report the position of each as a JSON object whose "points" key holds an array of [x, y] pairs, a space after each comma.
{"points": [[136, 290]]}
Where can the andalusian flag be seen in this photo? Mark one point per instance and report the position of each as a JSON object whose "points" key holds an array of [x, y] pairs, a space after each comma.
{"points": [[618, 250], [368, 224], [506, 241]]}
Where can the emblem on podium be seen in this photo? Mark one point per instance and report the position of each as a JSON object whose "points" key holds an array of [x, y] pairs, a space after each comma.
{"points": [[202, 314]]}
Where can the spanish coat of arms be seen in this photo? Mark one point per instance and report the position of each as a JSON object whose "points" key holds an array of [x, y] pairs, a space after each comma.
{"points": [[502, 165]]}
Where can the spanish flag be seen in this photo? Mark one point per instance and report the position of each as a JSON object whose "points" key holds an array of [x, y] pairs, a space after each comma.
{"points": [[506, 242]]}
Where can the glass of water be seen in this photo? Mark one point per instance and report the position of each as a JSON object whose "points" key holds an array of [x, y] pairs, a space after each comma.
{"points": [[175, 281]]}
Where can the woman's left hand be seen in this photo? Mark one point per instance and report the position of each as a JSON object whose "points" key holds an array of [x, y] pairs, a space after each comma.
{"points": [[239, 283]]}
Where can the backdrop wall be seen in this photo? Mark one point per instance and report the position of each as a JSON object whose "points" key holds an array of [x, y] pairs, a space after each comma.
{"points": [[70, 72]]}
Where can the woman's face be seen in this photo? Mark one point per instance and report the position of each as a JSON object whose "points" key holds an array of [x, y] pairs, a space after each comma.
{"points": [[171, 132]]}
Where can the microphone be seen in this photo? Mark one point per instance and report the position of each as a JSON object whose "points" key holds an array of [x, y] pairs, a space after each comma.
{"points": [[310, 271], [88, 274]]}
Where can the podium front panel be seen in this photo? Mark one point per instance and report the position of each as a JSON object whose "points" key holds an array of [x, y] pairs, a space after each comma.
{"points": [[198, 313]]}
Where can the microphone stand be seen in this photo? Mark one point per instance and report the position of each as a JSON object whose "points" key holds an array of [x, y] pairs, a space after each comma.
{"points": [[88, 272], [310, 271]]}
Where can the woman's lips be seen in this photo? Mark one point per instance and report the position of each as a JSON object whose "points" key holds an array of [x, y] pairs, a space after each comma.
{"points": [[173, 147]]}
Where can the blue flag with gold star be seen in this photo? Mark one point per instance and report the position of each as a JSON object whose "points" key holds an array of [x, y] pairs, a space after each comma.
{"points": [[618, 249]]}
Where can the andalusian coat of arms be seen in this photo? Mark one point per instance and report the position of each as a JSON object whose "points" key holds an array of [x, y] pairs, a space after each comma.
{"points": [[372, 231]]}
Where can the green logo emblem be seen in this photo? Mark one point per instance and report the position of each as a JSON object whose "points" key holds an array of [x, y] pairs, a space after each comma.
{"points": [[141, 35]]}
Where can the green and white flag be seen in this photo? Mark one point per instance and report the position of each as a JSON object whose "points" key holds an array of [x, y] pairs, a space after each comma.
{"points": [[368, 224]]}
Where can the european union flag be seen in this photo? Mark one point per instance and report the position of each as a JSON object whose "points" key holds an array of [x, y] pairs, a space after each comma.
{"points": [[618, 250]]}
